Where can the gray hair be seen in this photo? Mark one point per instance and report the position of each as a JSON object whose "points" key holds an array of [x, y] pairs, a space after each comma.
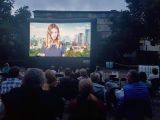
{"points": [[33, 77], [95, 77], [83, 72]]}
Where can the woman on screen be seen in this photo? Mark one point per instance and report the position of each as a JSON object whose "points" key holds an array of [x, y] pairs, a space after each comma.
{"points": [[52, 45]]}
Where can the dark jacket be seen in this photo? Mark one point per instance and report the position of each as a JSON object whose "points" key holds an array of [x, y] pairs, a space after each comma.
{"points": [[52, 104], [82, 109], [68, 87], [23, 103]]}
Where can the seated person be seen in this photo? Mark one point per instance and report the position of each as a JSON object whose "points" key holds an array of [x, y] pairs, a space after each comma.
{"points": [[6, 68], [5, 71], [12, 81], [110, 84], [99, 90], [143, 78], [23, 103], [154, 74], [83, 74], [153, 78], [52, 104], [86, 106], [68, 85], [134, 104]]}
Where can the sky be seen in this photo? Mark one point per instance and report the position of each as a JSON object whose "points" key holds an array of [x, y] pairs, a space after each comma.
{"points": [[72, 5]]}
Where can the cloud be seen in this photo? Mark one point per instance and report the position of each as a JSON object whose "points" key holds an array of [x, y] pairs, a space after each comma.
{"points": [[72, 5]]}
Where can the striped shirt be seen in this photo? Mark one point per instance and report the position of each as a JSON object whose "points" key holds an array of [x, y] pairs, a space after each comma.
{"points": [[9, 84]]}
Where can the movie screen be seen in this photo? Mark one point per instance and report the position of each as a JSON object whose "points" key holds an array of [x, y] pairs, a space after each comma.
{"points": [[60, 39]]}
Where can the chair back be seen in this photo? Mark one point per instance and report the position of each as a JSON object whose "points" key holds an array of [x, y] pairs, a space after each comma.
{"points": [[137, 109]]}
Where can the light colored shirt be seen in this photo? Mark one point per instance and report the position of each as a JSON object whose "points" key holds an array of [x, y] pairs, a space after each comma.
{"points": [[9, 84], [152, 76]]}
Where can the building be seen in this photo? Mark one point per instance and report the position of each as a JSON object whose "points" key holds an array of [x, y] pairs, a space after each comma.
{"points": [[87, 36]]}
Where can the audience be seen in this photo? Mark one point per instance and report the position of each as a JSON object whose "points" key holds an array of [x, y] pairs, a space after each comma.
{"points": [[5, 71], [143, 78], [86, 106], [51, 99], [11, 82], [50, 95], [68, 85], [154, 74], [6, 68], [98, 89], [134, 104], [24, 103], [154, 80], [83, 74]]}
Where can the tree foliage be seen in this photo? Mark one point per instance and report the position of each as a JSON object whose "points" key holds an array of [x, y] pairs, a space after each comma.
{"points": [[5, 8], [22, 14], [147, 13], [12, 30], [5, 26], [21, 29], [124, 37], [140, 22], [72, 53]]}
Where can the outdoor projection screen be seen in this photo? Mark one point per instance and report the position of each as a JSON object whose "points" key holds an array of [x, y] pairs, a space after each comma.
{"points": [[60, 39]]}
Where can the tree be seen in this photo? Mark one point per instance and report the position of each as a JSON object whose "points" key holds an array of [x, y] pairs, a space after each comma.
{"points": [[13, 30], [5, 27], [21, 30], [5, 8], [22, 14], [147, 13], [140, 22], [124, 37]]}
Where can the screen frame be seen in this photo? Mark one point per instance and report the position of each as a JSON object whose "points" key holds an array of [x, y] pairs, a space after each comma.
{"points": [[73, 20]]}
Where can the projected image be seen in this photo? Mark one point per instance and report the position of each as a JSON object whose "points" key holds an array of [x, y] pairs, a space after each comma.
{"points": [[60, 39]]}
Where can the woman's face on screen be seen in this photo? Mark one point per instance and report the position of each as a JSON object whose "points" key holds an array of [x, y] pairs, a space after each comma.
{"points": [[54, 33]]}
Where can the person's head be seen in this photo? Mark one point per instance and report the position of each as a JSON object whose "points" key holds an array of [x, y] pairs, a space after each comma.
{"points": [[68, 72], [34, 77], [95, 77], [6, 65], [51, 78], [155, 71], [85, 86], [142, 76], [14, 72], [52, 34], [132, 76], [83, 72]]}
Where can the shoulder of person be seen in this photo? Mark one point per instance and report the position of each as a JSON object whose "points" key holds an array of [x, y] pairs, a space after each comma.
{"points": [[151, 76]]}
